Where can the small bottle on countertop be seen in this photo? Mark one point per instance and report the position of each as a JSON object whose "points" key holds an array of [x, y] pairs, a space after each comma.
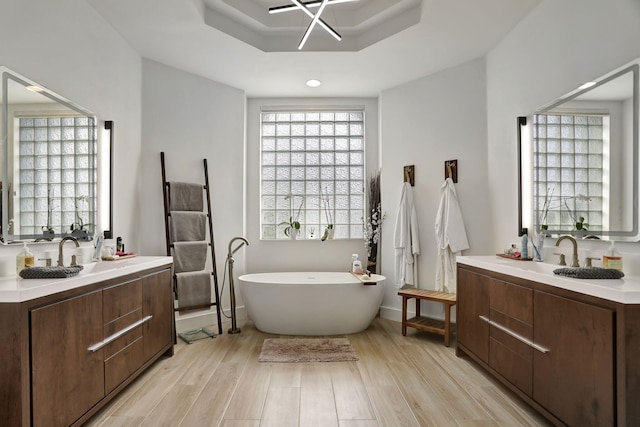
{"points": [[24, 259], [524, 251], [356, 265], [612, 258], [119, 245]]}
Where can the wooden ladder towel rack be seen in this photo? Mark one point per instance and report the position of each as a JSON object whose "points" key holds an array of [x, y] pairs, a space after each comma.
{"points": [[166, 185]]}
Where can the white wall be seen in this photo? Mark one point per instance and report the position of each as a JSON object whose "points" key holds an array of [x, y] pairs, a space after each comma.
{"points": [[557, 47], [424, 123], [330, 255], [67, 47], [190, 119]]}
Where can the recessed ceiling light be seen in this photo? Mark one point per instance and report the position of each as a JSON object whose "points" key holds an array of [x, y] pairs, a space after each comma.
{"points": [[313, 83]]}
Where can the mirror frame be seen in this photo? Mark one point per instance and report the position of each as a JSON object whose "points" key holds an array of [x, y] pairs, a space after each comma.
{"points": [[8, 74], [634, 233]]}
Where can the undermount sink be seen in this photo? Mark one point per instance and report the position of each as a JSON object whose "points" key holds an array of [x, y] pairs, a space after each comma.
{"points": [[50, 272], [98, 267], [534, 267]]}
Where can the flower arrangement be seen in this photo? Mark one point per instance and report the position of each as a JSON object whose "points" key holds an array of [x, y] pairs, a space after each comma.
{"points": [[375, 217]]}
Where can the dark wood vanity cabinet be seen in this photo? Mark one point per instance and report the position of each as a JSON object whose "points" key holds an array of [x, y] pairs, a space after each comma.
{"points": [[473, 302], [61, 366], [564, 353], [79, 348], [575, 379]]}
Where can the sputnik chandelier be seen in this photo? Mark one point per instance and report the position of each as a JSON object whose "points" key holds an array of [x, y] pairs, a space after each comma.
{"points": [[315, 18]]}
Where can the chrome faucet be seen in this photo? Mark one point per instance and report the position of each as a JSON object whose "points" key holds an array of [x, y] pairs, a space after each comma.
{"points": [[574, 262], [60, 256]]}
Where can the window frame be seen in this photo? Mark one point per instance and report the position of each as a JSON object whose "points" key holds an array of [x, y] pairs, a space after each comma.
{"points": [[312, 207]]}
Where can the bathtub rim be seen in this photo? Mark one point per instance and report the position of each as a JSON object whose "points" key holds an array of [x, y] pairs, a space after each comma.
{"points": [[297, 278]]}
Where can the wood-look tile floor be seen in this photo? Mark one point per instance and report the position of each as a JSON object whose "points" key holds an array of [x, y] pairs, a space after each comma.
{"points": [[398, 381]]}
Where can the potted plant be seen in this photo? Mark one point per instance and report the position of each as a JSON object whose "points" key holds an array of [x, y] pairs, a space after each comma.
{"points": [[48, 230], [291, 228], [78, 229], [581, 227], [326, 205]]}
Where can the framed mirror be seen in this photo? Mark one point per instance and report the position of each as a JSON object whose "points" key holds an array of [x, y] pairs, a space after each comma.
{"points": [[49, 164], [582, 174]]}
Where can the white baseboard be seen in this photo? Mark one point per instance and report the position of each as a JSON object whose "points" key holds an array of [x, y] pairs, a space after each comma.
{"points": [[192, 321]]}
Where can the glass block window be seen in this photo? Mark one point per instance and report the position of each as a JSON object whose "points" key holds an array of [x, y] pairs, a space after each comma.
{"points": [[57, 181], [569, 165], [312, 170]]}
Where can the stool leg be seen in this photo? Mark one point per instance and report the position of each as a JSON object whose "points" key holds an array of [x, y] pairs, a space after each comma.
{"points": [[404, 315], [447, 314], [417, 307]]}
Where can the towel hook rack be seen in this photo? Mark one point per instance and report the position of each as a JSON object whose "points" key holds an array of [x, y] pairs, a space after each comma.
{"points": [[451, 170], [409, 174]]}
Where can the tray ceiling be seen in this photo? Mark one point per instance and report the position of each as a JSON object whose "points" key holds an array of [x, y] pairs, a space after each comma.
{"points": [[360, 23]]}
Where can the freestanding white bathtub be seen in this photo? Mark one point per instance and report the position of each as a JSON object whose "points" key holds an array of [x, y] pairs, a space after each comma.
{"points": [[311, 303]]}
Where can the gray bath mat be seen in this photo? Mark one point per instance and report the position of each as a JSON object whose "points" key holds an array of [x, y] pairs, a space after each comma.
{"points": [[288, 350]]}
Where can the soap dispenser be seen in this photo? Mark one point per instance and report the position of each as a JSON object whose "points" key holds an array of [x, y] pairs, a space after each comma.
{"points": [[612, 258], [24, 259], [356, 265]]}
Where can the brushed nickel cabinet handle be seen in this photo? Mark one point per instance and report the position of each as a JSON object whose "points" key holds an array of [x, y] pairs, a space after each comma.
{"points": [[515, 335], [118, 334]]}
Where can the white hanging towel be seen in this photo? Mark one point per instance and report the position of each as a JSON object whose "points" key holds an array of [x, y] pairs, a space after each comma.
{"points": [[405, 240], [451, 237]]}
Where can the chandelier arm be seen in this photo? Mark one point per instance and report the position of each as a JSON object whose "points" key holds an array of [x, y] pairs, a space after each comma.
{"points": [[319, 20], [314, 3], [312, 24]]}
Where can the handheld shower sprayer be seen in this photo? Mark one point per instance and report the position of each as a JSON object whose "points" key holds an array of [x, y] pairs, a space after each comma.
{"points": [[243, 242], [232, 293]]}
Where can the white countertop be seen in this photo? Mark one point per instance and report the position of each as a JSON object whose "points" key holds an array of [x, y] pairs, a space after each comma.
{"points": [[625, 290], [17, 289]]}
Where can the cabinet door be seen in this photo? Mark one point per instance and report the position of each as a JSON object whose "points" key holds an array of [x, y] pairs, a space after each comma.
{"points": [[157, 295], [575, 379], [473, 302], [67, 379]]}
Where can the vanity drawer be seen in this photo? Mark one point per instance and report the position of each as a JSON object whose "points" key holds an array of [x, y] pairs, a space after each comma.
{"points": [[122, 364], [512, 300], [121, 300], [515, 366]]}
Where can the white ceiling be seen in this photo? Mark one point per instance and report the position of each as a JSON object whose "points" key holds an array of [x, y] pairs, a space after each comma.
{"points": [[182, 34]]}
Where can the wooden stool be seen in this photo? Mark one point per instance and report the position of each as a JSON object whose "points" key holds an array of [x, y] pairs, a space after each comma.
{"points": [[423, 323]]}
